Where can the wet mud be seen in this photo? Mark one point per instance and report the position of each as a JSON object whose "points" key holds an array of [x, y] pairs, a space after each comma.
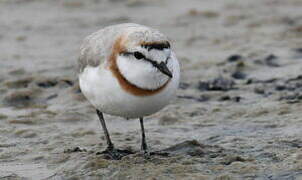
{"points": [[237, 113]]}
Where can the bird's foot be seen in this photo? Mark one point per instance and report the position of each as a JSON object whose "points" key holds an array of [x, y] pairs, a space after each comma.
{"points": [[145, 154], [115, 154]]}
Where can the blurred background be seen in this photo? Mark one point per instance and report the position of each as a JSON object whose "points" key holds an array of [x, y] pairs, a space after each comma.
{"points": [[239, 97]]}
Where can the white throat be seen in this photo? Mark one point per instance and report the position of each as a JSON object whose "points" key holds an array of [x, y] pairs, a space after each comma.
{"points": [[141, 73]]}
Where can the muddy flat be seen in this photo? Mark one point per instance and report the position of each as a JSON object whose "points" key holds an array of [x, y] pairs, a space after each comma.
{"points": [[237, 114]]}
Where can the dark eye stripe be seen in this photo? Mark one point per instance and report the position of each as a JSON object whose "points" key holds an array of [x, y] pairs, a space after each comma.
{"points": [[136, 54]]}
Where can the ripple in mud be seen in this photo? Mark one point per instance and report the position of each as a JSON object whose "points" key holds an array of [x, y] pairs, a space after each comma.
{"points": [[19, 83], [202, 98], [20, 99], [194, 148]]}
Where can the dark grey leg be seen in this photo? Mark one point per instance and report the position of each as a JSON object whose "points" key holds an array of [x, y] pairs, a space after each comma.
{"points": [[111, 152], [101, 117], [144, 144]]}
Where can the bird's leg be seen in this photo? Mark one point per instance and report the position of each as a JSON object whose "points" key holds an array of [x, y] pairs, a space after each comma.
{"points": [[109, 143], [113, 153], [144, 147]]}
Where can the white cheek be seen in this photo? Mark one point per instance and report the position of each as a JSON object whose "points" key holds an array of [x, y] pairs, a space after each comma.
{"points": [[140, 73]]}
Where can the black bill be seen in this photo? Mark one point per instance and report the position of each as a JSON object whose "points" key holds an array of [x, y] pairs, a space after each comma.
{"points": [[162, 67]]}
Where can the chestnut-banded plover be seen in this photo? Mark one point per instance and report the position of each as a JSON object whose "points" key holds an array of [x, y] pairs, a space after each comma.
{"points": [[127, 70]]}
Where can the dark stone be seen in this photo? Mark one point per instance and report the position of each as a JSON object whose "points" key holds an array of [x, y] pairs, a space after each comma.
{"points": [[270, 60], [280, 87], [228, 98], [239, 75], [47, 84], [217, 84], [249, 81], [237, 98], [225, 98], [234, 58]]}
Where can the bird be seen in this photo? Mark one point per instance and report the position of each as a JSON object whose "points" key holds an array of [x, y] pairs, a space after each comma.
{"points": [[127, 70]]}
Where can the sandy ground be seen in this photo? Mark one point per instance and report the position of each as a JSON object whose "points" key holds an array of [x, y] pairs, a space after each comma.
{"points": [[237, 114]]}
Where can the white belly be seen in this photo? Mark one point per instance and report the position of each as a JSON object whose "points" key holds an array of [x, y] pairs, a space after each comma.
{"points": [[104, 93]]}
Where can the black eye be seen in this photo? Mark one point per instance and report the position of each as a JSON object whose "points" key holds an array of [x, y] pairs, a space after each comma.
{"points": [[138, 55]]}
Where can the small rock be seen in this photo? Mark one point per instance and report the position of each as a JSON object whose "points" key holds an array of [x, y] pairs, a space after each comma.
{"points": [[47, 83], [234, 58], [280, 87], [228, 98], [225, 98], [270, 60], [238, 75], [217, 84]]}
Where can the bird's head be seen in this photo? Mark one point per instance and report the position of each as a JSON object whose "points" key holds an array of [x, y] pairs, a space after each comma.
{"points": [[144, 57]]}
